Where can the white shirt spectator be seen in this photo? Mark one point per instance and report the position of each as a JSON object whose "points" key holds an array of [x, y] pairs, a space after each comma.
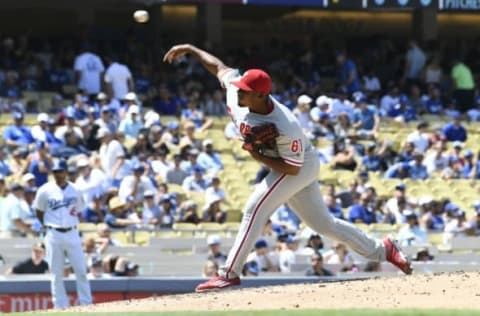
{"points": [[126, 188], [435, 163], [61, 130], [118, 76], [95, 183], [109, 154], [90, 67], [286, 258], [13, 208], [473, 115], [161, 167], [211, 192], [420, 140], [411, 236]]}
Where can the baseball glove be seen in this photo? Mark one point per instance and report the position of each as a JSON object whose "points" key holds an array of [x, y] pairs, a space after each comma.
{"points": [[261, 138]]}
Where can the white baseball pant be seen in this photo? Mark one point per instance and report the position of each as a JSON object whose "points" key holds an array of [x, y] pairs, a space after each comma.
{"points": [[303, 194], [58, 245]]}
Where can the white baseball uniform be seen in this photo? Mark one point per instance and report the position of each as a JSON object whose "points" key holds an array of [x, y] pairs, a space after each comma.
{"points": [[301, 191], [61, 208]]}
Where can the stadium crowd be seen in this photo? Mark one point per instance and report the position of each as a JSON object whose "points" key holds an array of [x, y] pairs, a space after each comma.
{"points": [[137, 171]]}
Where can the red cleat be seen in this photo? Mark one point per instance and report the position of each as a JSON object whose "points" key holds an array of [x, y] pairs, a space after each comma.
{"points": [[217, 283], [396, 257]]}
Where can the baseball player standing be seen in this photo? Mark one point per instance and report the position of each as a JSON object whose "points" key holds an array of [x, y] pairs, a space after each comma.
{"points": [[294, 169], [57, 204]]}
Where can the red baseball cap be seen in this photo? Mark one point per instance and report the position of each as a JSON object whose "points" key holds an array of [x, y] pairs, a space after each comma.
{"points": [[254, 80]]}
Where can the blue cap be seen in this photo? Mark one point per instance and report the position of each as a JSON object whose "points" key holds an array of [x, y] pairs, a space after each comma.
{"points": [[261, 243], [363, 174], [359, 97], [105, 108], [198, 169], [400, 186], [403, 99], [172, 125], [460, 213], [59, 165], [324, 115], [456, 116], [450, 207], [17, 115]]}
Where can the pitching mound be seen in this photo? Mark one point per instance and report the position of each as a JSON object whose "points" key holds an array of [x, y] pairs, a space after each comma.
{"points": [[447, 290]]}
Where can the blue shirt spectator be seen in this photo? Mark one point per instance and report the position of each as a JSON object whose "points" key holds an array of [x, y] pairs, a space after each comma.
{"points": [[454, 131], [399, 170], [40, 165], [371, 161], [132, 124], [195, 182], [285, 217], [17, 134], [418, 171], [365, 115], [361, 213], [434, 106], [208, 159], [96, 212], [348, 74]]}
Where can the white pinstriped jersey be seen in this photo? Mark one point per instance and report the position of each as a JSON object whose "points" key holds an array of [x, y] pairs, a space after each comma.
{"points": [[292, 144]]}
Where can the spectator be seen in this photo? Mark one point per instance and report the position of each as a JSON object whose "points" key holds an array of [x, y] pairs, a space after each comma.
{"points": [[371, 161], [208, 159], [420, 138], [250, 269], [119, 266], [287, 252], [188, 212], [95, 269], [400, 170], [302, 112], [347, 73], [70, 126], [391, 207], [118, 79], [365, 118], [175, 173], [41, 132], [402, 112], [371, 83], [434, 219], [469, 168], [36, 264], [455, 131], [210, 269], [457, 227], [341, 256], [390, 99], [4, 164], [88, 72], [135, 185], [165, 103], [423, 255], [131, 124], [91, 182], [332, 206], [112, 156], [285, 217], [314, 245], [317, 268], [436, 160], [474, 113], [212, 212], [414, 63], [361, 212], [214, 252], [418, 171], [344, 156], [96, 210], [261, 256], [189, 138], [196, 116], [151, 210], [215, 190], [412, 234], [17, 135], [92, 248], [78, 109], [104, 236], [107, 119], [195, 182], [39, 163], [475, 221], [116, 216], [463, 84], [433, 74], [14, 214]]}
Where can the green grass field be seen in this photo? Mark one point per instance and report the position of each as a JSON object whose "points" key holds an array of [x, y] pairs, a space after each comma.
{"points": [[350, 312]]}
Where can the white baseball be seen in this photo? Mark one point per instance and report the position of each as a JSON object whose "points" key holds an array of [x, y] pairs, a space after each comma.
{"points": [[141, 16]]}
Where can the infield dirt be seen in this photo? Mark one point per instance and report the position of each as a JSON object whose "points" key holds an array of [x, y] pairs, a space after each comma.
{"points": [[441, 291]]}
